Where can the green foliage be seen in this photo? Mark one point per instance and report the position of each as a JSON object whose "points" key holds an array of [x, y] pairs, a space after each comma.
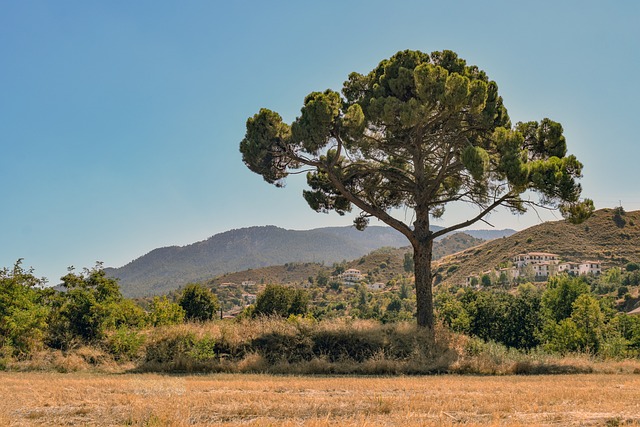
{"points": [[374, 149], [164, 312], [485, 280], [408, 262], [322, 279], [632, 266], [561, 293], [23, 318], [582, 331], [91, 305], [125, 343], [199, 303], [281, 301], [512, 320], [452, 312]]}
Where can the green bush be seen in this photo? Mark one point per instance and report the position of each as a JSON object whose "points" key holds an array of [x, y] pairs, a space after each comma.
{"points": [[164, 312], [281, 301], [23, 316], [91, 306], [198, 303], [124, 343]]}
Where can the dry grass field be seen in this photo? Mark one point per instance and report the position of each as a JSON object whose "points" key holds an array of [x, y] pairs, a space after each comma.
{"points": [[259, 400]]}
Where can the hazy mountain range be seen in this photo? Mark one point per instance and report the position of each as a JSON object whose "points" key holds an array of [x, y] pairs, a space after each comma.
{"points": [[168, 268]]}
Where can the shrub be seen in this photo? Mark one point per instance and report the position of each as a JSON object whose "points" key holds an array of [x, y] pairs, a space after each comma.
{"points": [[164, 312], [198, 303], [632, 266], [22, 314], [281, 301], [124, 343]]}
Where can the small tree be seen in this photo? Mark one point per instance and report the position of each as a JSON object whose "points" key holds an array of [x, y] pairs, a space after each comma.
{"points": [[91, 305], [198, 303], [23, 316], [407, 263], [164, 312], [281, 301], [419, 131]]}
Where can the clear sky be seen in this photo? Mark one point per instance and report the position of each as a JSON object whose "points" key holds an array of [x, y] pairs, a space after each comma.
{"points": [[120, 120]]}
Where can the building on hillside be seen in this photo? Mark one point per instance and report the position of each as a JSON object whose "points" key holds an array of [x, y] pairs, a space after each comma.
{"points": [[540, 265], [581, 268], [591, 267], [543, 269], [351, 276], [521, 260], [248, 283], [512, 273], [571, 268], [378, 286]]}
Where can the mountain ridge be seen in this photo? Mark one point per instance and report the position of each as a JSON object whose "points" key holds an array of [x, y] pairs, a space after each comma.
{"points": [[167, 268]]}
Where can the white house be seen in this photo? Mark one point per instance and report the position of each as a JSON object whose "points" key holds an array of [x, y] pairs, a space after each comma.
{"points": [[572, 268], [543, 269], [521, 260], [351, 276], [591, 267], [583, 268]]}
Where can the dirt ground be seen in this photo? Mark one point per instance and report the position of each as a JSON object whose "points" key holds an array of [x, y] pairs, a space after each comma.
{"points": [[261, 400]]}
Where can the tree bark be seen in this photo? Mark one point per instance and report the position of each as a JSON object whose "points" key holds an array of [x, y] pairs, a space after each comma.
{"points": [[423, 276], [422, 252]]}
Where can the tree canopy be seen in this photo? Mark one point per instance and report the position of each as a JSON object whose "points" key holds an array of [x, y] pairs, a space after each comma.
{"points": [[420, 132]]}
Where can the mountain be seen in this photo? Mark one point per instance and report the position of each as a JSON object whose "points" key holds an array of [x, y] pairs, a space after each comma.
{"points": [[165, 269], [382, 264], [611, 236]]}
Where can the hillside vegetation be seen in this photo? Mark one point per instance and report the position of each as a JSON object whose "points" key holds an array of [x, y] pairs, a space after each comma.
{"points": [[611, 236], [381, 264], [166, 269]]}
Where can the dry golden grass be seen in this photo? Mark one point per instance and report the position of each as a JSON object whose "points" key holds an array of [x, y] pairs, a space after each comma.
{"points": [[260, 400]]}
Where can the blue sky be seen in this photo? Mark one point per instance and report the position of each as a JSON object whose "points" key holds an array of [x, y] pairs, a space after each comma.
{"points": [[120, 121]]}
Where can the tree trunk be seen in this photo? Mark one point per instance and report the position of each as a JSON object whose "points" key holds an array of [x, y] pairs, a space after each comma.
{"points": [[422, 251]]}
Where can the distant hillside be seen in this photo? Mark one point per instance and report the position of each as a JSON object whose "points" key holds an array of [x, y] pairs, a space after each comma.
{"points": [[381, 264], [165, 269], [606, 237]]}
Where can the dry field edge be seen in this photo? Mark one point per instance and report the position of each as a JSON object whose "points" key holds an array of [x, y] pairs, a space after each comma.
{"points": [[92, 399]]}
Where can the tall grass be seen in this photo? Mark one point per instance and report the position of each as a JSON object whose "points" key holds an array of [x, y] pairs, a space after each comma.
{"points": [[299, 346], [307, 347]]}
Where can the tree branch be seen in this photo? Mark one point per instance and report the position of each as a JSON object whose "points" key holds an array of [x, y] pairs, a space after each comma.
{"points": [[474, 219]]}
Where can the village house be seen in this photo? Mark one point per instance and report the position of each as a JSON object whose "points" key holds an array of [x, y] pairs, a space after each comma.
{"points": [[572, 268], [542, 265], [521, 260], [543, 269], [581, 268], [591, 267], [351, 276]]}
